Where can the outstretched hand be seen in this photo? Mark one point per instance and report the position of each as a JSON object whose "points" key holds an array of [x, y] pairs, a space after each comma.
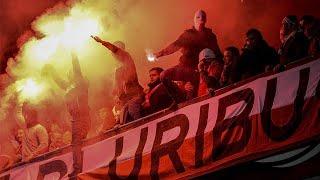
{"points": [[96, 38]]}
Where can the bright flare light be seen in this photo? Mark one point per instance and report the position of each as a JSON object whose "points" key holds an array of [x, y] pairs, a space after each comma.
{"points": [[45, 48], [71, 33], [78, 31], [150, 56], [30, 89]]}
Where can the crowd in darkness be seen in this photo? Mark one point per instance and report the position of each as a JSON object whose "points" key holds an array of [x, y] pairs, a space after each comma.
{"points": [[202, 69]]}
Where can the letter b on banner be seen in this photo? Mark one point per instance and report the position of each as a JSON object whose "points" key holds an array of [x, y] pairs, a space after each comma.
{"points": [[221, 142]]}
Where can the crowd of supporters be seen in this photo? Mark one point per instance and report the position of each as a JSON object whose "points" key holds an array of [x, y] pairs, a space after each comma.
{"points": [[202, 69]]}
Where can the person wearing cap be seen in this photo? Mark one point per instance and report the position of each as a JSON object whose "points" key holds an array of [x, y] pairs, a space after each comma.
{"points": [[190, 43], [257, 56], [294, 45], [210, 68], [127, 87]]}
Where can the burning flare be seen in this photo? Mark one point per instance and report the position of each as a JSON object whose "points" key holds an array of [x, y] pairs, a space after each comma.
{"points": [[150, 56], [29, 88], [70, 33]]}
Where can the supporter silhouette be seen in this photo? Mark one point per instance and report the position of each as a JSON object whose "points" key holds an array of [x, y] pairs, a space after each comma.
{"points": [[230, 72], [257, 56], [76, 98], [127, 87], [294, 44]]}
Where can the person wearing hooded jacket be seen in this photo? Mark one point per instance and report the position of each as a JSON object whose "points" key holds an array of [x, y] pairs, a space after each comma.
{"points": [[210, 68], [190, 43], [257, 56]]}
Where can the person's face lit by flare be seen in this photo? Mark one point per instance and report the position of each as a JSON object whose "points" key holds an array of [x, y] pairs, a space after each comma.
{"points": [[20, 135], [154, 76]]}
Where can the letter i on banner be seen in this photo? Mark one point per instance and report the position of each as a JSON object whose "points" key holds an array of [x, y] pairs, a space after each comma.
{"points": [[137, 158], [159, 150]]}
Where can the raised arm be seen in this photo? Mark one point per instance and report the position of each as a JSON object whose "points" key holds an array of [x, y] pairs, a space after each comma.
{"points": [[49, 70], [106, 44], [173, 47], [76, 66]]}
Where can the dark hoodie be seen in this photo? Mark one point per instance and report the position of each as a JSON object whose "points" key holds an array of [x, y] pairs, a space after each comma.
{"points": [[191, 42], [157, 98], [254, 61], [294, 48]]}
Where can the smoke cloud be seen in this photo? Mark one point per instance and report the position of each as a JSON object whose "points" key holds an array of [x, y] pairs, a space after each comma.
{"points": [[47, 31]]}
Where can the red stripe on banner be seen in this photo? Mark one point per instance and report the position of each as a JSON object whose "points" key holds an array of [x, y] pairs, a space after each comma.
{"points": [[259, 145]]}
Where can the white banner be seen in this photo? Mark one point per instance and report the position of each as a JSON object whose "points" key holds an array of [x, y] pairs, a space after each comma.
{"points": [[150, 136]]}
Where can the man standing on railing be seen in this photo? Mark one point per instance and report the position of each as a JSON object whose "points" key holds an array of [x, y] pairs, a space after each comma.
{"points": [[76, 98], [127, 87], [190, 42]]}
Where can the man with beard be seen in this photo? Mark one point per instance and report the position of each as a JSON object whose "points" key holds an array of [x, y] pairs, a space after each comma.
{"points": [[156, 97]]}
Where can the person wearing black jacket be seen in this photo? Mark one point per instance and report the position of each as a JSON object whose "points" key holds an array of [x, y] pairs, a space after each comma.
{"points": [[294, 44], [257, 56], [190, 43]]}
